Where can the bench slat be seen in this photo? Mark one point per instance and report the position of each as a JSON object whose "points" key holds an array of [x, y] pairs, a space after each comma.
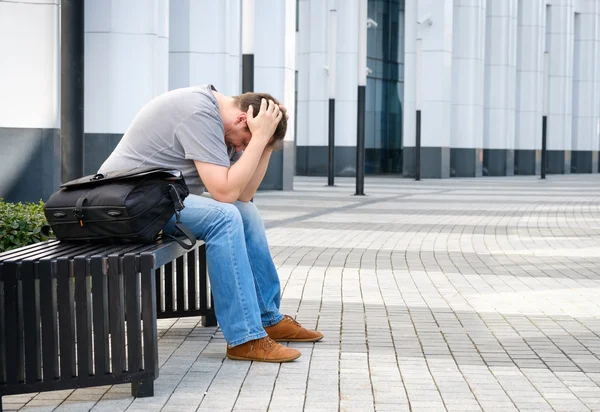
{"points": [[149, 310], [100, 311], [132, 297], [31, 323], [191, 278], [159, 290], [66, 319], [203, 280], [179, 267], [13, 342], [84, 315], [27, 249], [169, 287], [2, 335], [49, 317], [117, 315]]}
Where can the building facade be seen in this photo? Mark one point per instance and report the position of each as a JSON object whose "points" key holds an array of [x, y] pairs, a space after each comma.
{"points": [[483, 73]]}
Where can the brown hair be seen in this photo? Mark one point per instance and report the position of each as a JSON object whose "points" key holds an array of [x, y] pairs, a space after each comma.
{"points": [[246, 100]]}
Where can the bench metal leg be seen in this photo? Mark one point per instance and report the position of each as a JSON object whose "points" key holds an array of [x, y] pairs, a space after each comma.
{"points": [[143, 388], [210, 319]]}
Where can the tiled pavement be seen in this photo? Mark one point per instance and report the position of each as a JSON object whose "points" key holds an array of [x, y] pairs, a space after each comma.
{"points": [[457, 295]]}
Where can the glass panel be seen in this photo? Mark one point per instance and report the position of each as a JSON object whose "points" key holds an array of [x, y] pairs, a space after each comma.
{"points": [[385, 87]]}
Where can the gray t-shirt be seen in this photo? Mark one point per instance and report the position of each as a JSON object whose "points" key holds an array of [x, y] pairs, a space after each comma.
{"points": [[173, 130]]}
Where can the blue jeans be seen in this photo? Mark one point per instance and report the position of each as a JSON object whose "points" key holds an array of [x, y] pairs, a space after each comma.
{"points": [[243, 277]]}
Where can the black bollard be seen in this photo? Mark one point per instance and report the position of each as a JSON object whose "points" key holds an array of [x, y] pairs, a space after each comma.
{"points": [[360, 143], [418, 148], [544, 151], [331, 170]]}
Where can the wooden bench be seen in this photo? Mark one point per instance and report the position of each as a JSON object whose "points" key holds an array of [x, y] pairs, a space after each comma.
{"points": [[81, 315]]}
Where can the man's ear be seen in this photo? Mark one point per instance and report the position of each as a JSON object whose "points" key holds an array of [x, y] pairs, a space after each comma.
{"points": [[241, 118]]}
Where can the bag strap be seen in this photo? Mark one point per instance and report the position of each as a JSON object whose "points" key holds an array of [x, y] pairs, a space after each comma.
{"points": [[78, 211], [180, 227], [45, 232]]}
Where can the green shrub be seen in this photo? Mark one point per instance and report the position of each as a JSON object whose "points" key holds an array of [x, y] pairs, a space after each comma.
{"points": [[20, 224]]}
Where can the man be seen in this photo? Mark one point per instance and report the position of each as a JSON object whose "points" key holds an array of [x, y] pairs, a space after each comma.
{"points": [[222, 145]]}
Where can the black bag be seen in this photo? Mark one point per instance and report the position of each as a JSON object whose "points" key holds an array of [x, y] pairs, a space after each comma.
{"points": [[124, 206]]}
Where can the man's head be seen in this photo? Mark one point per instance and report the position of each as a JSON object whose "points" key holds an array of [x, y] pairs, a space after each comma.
{"points": [[237, 133]]}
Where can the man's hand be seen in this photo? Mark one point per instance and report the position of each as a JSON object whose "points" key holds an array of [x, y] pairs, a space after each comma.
{"points": [[264, 124]]}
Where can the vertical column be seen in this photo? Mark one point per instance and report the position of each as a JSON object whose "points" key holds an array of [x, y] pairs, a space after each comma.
{"points": [[29, 106], [584, 130], [500, 86], [468, 58], [435, 29], [274, 73], [247, 46], [432, 23], [410, 88], [530, 72], [126, 65], [205, 43], [346, 91], [560, 38], [303, 52], [597, 77], [313, 85], [361, 92]]}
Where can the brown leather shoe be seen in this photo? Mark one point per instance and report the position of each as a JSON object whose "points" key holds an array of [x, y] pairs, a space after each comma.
{"points": [[288, 330], [263, 350]]}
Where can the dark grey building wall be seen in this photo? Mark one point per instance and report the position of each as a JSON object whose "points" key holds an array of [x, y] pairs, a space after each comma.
{"points": [[30, 161], [97, 148], [584, 161], [466, 162], [528, 162], [314, 160], [435, 162], [29, 164], [498, 162]]}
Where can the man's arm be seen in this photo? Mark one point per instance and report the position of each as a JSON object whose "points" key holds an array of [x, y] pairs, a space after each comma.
{"points": [[259, 174], [226, 184]]}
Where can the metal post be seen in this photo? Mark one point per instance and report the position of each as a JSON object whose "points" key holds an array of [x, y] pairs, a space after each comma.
{"points": [[71, 106], [331, 171], [362, 85], [360, 143], [544, 151], [418, 148]]}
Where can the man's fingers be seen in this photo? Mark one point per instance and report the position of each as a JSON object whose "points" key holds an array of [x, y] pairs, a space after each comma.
{"points": [[263, 105], [250, 112]]}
